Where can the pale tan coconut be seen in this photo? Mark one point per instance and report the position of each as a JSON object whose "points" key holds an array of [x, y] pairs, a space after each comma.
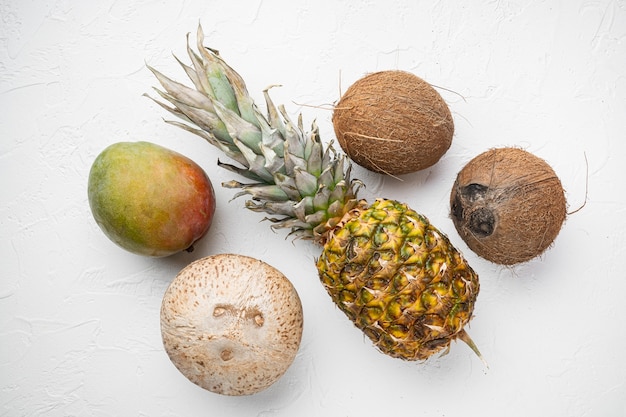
{"points": [[231, 324], [393, 122], [508, 205]]}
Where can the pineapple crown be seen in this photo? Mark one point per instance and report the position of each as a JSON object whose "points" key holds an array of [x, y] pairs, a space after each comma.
{"points": [[302, 184]]}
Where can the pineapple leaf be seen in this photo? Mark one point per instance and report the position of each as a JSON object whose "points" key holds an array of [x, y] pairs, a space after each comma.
{"points": [[199, 68], [284, 208], [320, 200], [229, 149], [182, 93], [255, 162], [314, 161], [272, 114], [191, 74], [238, 128], [273, 163], [305, 182], [217, 79], [288, 184]]}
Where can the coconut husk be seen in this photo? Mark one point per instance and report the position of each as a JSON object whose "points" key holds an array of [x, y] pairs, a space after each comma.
{"points": [[508, 205], [393, 122]]}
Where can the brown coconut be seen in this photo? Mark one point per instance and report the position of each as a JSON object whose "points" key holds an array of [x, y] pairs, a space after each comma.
{"points": [[393, 122], [231, 324], [508, 205]]}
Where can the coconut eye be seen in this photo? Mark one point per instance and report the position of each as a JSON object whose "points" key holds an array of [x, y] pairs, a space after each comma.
{"points": [[457, 208], [482, 222], [255, 315], [466, 196], [473, 192], [219, 311], [226, 355]]}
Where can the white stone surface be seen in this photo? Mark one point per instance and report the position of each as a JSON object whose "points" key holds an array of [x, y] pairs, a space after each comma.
{"points": [[79, 317]]}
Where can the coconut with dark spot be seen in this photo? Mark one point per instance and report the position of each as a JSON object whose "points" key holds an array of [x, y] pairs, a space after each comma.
{"points": [[393, 122], [508, 205], [231, 324]]}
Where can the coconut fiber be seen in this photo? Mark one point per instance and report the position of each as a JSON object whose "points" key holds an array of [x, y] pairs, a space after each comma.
{"points": [[393, 122], [508, 205]]}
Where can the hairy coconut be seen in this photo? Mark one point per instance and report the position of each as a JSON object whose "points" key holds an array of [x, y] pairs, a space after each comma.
{"points": [[508, 205], [393, 122], [231, 324]]}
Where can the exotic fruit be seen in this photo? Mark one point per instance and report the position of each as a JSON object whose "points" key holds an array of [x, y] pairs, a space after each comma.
{"points": [[508, 205], [396, 276], [150, 200], [393, 122], [231, 324]]}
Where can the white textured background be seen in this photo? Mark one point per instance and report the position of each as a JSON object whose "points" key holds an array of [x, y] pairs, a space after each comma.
{"points": [[79, 317]]}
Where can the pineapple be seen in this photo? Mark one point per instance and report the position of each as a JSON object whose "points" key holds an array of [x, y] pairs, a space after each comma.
{"points": [[385, 266]]}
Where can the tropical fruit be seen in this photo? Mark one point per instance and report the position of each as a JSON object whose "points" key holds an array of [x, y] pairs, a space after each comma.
{"points": [[397, 277], [508, 205], [393, 122], [150, 200], [231, 324]]}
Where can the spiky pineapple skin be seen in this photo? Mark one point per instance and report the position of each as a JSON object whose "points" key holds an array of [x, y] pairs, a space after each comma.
{"points": [[398, 279]]}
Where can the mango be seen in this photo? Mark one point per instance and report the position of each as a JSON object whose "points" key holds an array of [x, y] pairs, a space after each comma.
{"points": [[150, 200]]}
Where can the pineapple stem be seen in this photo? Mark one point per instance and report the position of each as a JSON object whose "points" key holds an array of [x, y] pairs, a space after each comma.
{"points": [[465, 337]]}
